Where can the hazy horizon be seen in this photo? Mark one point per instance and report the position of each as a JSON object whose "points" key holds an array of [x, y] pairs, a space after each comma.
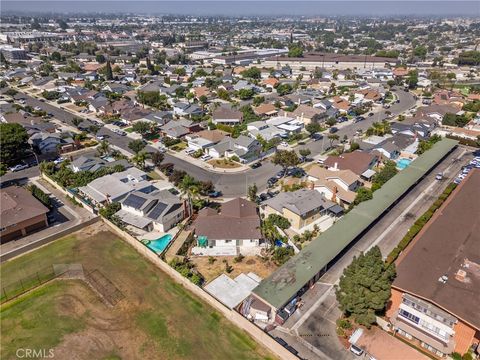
{"points": [[245, 8]]}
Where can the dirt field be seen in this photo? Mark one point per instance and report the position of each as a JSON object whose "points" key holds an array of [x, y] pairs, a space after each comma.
{"points": [[157, 319], [249, 263]]}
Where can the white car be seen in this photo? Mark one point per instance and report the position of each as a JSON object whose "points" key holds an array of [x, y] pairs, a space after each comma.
{"points": [[18, 167], [284, 144], [189, 151], [205, 157], [356, 350], [58, 160]]}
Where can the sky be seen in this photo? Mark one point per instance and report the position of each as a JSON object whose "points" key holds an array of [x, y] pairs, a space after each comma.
{"points": [[252, 7]]}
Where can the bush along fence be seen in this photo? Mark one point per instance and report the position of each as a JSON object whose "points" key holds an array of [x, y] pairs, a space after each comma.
{"points": [[419, 224]]}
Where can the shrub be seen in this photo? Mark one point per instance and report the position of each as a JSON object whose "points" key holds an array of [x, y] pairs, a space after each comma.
{"points": [[238, 258]]}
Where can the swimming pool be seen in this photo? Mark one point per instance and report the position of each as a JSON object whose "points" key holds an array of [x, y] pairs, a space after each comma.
{"points": [[403, 163], [158, 245]]}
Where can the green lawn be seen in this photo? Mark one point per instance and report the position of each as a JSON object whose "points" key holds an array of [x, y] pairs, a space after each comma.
{"points": [[162, 319]]}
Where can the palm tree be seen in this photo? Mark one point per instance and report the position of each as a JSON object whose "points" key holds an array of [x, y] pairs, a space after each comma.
{"points": [[103, 148], [140, 158], [189, 187]]}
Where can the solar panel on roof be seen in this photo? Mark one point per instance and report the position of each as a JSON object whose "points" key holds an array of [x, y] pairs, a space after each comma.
{"points": [[134, 201], [157, 210]]}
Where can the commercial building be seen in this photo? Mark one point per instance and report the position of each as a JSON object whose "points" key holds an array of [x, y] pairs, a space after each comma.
{"points": [[330, 60], [436, 295], [20, 213], [291, 280]]}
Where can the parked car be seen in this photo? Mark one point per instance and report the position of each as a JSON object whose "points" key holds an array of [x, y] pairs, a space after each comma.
{"points": [[214, 194], [371, 114], [189, 151], [439, 176], [272, 181], [205, 157], [281, 341], [333, 130], [356, 350], [101, 137], [358, 119], [284, 144], [256, 165], [59, 160], [18, 167], [280, 174], [317, 136]]}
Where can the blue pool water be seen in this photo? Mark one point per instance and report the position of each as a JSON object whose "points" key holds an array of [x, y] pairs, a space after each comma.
{"points": [[158, 245], [403, 163]]}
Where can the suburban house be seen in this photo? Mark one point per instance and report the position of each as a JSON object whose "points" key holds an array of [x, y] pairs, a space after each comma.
{"points": [[86, 163], [359, 162], [434, 300], [227, 115], [234, 229], [265, 110], [266, 131], [244, 147], [114, 187], [340, 104], [186, 109], [178, 128], [49, 143], [338, 186], [307, 114], [20, 213], [287, 124], [205, 138], [302, 207], [158, 210]]}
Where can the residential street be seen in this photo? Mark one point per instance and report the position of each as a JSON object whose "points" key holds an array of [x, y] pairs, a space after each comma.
{"points": [[230, 185]]}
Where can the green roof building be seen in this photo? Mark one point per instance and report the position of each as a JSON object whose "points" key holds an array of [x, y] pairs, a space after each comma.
{"points": [[306, 267]]}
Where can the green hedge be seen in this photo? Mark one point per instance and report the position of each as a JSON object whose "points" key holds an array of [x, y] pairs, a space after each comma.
{"points": [[419, 224]]}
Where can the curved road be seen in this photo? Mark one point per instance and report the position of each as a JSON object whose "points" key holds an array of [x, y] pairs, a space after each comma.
{"points": [[235, 184]]}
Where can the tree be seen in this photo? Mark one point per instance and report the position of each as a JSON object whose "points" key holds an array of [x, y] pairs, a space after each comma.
{"points": [[3, 169], [246, 94], [139, 159], [365, 287], [253, 73], [252, 192], [286, 158], [412, 79], [389, 170], [331, 121], [304, 152], [157, 158], [62, 24], [136, 145], [363, 194], [103, 148], [108, 71], [313, 127], [13, 142], [142, 127], [282, 254], [333, 138], [295, 50], [109, 210], [100, 58], [11, 92], [284, 89], [77, 121]]}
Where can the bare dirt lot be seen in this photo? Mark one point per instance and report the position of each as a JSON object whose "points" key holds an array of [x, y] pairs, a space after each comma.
{"points": [[249, 264]]}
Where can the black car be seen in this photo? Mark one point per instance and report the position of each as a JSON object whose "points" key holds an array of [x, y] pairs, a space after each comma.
{"points": [[317, 136], [291, 349], [272, 181], [256, 165], [371, 114], [214, 194], [280, 174], [281, 341], [333, 130]]}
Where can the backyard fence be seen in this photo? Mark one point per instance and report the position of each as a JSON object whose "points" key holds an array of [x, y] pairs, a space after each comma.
{"points": [[29, 282]]}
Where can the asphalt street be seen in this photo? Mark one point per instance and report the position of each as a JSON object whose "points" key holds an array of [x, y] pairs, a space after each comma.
{"points": [[230, 184]]}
